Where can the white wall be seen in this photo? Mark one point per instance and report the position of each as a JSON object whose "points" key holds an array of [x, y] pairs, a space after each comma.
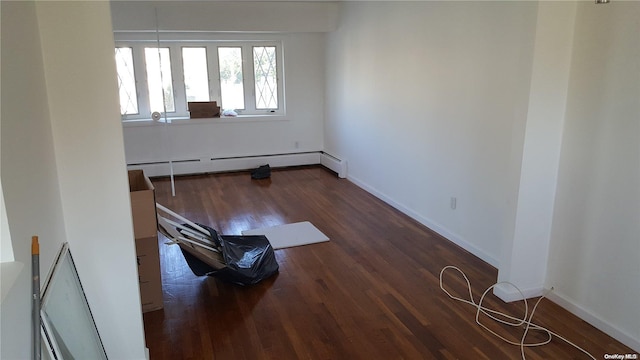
{"points": [[6, 247], [524, 253], [428, 101], [301, 28], [595, 243], [237, 16], [233, 137], [28, 169], [63, 168]]}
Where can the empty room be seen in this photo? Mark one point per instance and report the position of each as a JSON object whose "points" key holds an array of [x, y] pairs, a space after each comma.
{"points": [[464, 177]]}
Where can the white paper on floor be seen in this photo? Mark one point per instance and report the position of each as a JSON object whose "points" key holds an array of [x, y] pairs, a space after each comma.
{"points": [[289, 235]]}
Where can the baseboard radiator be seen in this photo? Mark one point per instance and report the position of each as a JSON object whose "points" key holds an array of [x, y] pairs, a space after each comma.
{"points": [[331, 162], [239, 163]]}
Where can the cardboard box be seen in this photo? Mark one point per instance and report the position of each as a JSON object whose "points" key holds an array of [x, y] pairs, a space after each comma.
{"points": [[203, 109], [149, 278], [151, 296], [143, 205], [145, 229]]}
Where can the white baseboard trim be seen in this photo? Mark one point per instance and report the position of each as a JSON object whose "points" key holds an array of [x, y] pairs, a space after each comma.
{"points": [[509, 294], [604, 326], [213, 165], [447, 234]]}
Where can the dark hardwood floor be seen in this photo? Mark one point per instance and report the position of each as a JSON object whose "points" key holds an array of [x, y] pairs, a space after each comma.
{"points": [[371, 292]]}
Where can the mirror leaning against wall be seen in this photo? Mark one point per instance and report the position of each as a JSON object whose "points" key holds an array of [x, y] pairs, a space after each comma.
{"points": [[67, 325]]}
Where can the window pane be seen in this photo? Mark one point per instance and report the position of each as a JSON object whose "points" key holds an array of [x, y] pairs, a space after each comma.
{"points": [[231, 81], [264, 65], [126, 81], [159, 79], [196, 78]]}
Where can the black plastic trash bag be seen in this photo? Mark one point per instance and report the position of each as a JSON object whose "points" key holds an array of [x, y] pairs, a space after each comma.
{"points": [[248, 259]]}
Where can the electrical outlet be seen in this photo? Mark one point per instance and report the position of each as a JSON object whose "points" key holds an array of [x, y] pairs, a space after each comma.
{"points": [[454, 202]]}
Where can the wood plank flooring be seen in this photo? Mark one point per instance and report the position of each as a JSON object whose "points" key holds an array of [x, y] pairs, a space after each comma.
{"points": [[371, 292]]}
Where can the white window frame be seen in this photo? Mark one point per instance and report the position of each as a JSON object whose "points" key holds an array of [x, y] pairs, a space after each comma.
{"points": [[175, 49]]}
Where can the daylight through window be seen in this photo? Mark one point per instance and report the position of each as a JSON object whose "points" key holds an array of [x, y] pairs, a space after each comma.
{"points": [[266, 77], [126, 81], [196, 77], [231, 79], [244, 76], [159, 80]]}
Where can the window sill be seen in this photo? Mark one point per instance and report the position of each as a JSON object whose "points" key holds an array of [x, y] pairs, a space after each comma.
{"points": [[10, 271], [216, 120]]}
